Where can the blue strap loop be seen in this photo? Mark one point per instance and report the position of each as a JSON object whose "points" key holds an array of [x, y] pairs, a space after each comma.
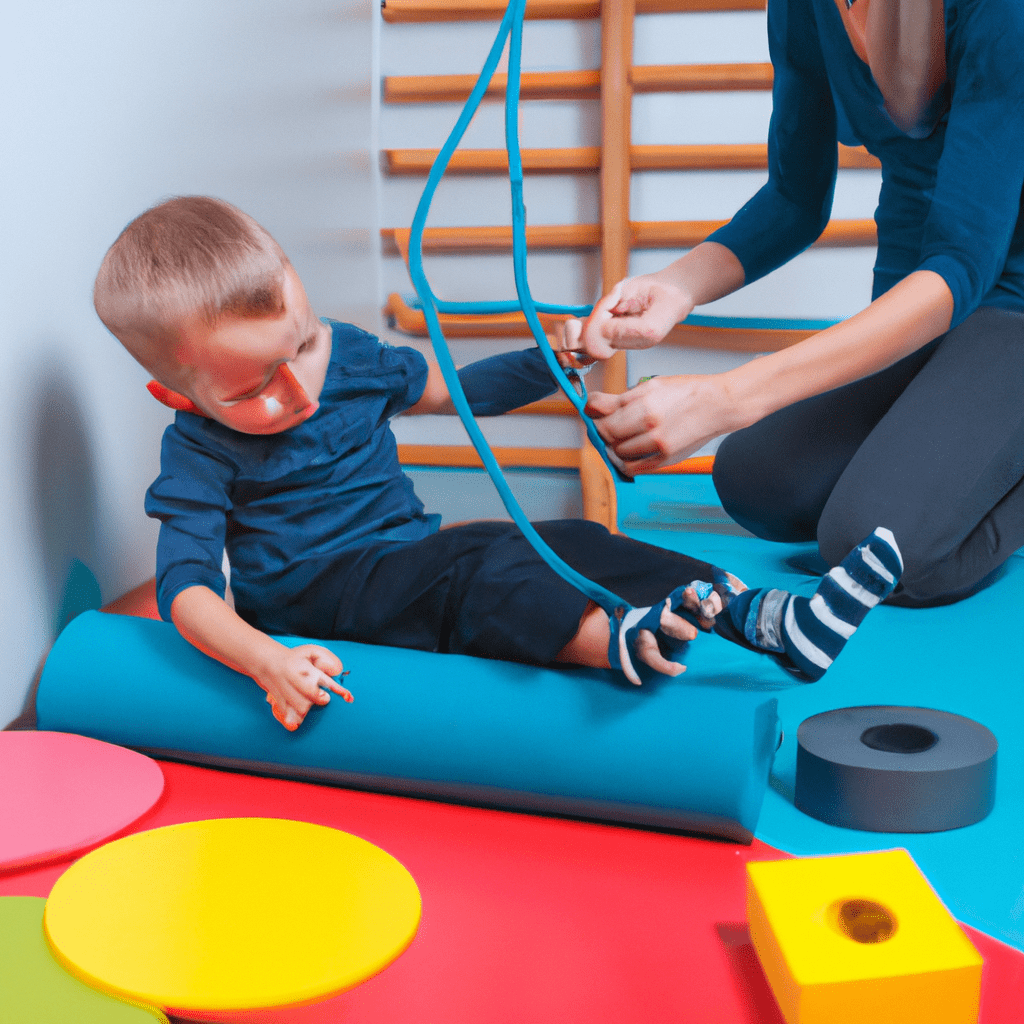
{"points": [[512, 22]]}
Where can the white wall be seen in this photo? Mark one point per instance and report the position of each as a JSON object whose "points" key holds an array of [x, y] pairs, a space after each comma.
{"points": [[106, 109]]}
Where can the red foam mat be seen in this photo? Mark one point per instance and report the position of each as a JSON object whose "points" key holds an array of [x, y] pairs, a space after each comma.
{"points": [[534, 920]]}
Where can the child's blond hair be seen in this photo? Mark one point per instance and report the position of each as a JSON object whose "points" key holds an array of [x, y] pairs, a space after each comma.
{"points": [[188, 257]]}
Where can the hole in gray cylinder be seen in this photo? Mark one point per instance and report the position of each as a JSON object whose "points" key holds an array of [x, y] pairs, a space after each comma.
{"points": [[899, 738]]}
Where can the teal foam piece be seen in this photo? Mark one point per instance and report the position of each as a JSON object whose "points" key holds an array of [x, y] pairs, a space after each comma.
{"points": [[575, 742], [967, 658]]}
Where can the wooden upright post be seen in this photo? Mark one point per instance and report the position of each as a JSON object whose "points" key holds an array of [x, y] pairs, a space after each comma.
{"points": [[616, 138], [599, 502]]}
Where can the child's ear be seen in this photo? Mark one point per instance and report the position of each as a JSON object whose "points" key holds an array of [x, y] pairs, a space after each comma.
{"points": [[172, 399]]}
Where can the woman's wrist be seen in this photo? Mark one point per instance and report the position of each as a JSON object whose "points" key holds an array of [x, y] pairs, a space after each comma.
{"points": [[707, 272], [743, 392]]}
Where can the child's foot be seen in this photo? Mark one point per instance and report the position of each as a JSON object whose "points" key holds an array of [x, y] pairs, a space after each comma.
{"points": [[650, 641], [806, 634]]}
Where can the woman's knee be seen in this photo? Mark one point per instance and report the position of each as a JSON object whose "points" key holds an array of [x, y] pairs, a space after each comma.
{"points": [[928, 577], [764, 492]]}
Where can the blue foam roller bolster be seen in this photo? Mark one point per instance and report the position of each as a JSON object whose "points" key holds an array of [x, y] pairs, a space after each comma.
{"points": [[574, 742]]}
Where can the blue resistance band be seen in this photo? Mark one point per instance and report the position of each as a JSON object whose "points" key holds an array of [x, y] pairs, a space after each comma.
{"points": [[512, 22], [512, 25]]}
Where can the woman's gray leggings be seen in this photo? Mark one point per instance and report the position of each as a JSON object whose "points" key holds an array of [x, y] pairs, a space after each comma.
{"points": [[932, 448]]}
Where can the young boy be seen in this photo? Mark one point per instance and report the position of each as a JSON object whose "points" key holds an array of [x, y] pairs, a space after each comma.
{"points": [[281, 451]]}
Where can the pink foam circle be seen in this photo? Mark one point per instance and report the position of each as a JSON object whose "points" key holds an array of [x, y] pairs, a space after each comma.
{"points": [[61, 793]]}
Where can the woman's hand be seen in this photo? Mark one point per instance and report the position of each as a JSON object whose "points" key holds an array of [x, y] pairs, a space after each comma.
{"points": [[663, 420], [637, 313]]}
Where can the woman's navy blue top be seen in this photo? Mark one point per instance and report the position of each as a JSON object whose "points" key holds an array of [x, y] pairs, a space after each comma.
{"points": [[950, 200]]}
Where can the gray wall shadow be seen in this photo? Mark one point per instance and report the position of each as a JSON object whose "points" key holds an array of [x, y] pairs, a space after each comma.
{"points": [[64, 497]]}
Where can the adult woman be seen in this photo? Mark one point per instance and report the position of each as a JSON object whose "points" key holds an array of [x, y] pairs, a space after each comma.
{"points": [[910, 413]]}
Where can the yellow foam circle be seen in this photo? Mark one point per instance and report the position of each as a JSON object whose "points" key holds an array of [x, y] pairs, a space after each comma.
{"points": [[232, 914]]}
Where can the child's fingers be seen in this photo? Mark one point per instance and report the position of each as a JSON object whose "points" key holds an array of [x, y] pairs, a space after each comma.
{"points": [[325, 660], [704, 611], [647, 650], [327, 683], [676, 626], [711, 605], [298, 691], [286, 715], [329, 665]]}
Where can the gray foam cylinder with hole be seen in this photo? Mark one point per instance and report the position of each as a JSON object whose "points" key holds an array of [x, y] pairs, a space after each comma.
{"points": [[895, 769]]}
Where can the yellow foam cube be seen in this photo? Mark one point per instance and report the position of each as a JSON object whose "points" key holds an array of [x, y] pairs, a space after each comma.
{"points": [[860, 938]]}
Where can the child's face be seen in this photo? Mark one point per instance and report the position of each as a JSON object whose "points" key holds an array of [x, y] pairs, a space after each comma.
{"points": [[259, 376]]}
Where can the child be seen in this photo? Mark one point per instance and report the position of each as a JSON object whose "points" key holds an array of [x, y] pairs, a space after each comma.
{"points": [[281, 451]]}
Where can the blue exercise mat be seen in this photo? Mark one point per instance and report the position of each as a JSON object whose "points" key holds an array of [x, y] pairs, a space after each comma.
{"points": [[967, 658], [574, 742]]}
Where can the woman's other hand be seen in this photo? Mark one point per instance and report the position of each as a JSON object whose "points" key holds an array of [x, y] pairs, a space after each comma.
{"points": [[637, 313], [663, 420]]}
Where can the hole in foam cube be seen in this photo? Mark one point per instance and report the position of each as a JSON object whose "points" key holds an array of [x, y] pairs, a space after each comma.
{"points": [[865, 921]]}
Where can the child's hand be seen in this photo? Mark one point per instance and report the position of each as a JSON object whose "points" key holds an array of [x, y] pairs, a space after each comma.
{"points": [[678, 628], [296, 678]]}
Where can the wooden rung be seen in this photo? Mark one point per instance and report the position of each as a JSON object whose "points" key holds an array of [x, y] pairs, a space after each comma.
{"points": [[464, 456], [581, 85], [701, 77], [857, 158], [556, 405], [734, 339], [534, 85], [513, 325], [493, 161], [683, 234], [495, 239], [399, 11], [505, 325], [696, 464], [733, 157], [727, 157]]}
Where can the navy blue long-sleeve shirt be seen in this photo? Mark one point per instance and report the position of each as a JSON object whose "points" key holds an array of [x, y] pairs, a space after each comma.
{"points": [[283, 505]]}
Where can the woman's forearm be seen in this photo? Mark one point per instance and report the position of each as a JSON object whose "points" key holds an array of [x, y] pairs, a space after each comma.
{"points": [[707, 272], [897, 323]]}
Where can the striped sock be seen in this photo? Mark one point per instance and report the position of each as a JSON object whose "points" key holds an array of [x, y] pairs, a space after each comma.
{"points": [[807, 634]]}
